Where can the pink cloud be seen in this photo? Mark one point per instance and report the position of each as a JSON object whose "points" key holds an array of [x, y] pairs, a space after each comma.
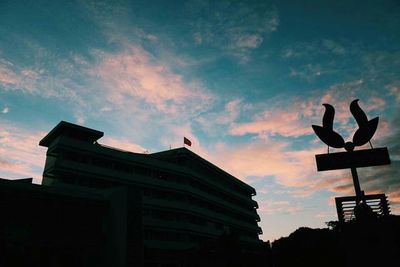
{"points": [[279, 122], [295, 120], [20, 154], [376, 103], [290, 168], [7, 75], [232, 110], [15, 79], [134, 74]]}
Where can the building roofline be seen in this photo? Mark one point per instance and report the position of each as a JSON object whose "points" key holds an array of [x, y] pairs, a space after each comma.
{"points": [[63, 126], [190, 153]]}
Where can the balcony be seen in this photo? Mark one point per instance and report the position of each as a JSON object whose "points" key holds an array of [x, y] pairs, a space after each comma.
{"points": [[72, 167], [190, 209]]}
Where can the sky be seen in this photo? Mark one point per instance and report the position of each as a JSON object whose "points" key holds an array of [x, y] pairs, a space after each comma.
{"points": [[243, 80]]}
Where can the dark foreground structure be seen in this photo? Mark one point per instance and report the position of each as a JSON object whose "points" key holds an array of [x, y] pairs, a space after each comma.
{"points": [[174, 208], [364, 243], [49, 226]]}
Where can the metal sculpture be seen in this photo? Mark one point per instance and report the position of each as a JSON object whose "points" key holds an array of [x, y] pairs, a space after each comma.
{"points": [[326, 132], [366, 128], [350, 159]]}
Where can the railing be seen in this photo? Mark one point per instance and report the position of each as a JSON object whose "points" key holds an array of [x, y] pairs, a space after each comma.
{"points": [[86, 169], [345, 206]]}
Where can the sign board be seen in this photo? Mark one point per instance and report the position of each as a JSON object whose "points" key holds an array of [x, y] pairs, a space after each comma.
{"points": [[352, 159]]}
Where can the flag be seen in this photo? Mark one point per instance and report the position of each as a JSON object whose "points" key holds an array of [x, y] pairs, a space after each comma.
{"points": [[187, 141]]}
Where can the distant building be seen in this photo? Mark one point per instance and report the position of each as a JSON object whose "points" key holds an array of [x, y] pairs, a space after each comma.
{"points": [[62, 226], [187, 203]]}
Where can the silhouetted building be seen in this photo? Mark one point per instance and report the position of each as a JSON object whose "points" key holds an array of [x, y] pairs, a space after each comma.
{"points": [[187, 202], [62, 226]]}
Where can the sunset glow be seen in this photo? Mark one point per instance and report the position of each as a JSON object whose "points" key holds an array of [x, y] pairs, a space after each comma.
{"points": [[244, 81]]}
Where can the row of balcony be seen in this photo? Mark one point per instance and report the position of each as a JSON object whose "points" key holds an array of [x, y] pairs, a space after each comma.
{"points": [[120, 157], [205, 213], [93, 170], [80, 169]]}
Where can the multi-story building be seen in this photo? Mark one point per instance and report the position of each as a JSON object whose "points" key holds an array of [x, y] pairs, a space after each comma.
{"points": [[187, 202]]}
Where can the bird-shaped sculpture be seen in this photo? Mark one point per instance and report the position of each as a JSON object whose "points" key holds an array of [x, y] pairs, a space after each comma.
{"points": [[326, 132], [366, 128]]}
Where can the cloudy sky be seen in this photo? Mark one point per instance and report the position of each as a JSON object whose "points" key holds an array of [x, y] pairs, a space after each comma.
{"points": [[244, 81]]}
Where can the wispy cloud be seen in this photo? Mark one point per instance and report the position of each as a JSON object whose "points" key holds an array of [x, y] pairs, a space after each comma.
{"points": [[232, 25], [134, 76], [5, 110], [7, 75], [20, 154], [381, 64], [293, 118], [216, 122], [308, 72], [333, 47], [313, 49], [394, 90], [34, 79], [284, 123]]}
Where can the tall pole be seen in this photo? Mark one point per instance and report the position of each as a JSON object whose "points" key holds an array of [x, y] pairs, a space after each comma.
{"points": [[356, 183]]}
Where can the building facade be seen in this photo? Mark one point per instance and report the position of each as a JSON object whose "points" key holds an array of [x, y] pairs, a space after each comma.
{"points": [[186, 201]]}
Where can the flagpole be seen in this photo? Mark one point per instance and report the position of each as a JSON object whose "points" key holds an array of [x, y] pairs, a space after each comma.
{"points": [[186, 141]]}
